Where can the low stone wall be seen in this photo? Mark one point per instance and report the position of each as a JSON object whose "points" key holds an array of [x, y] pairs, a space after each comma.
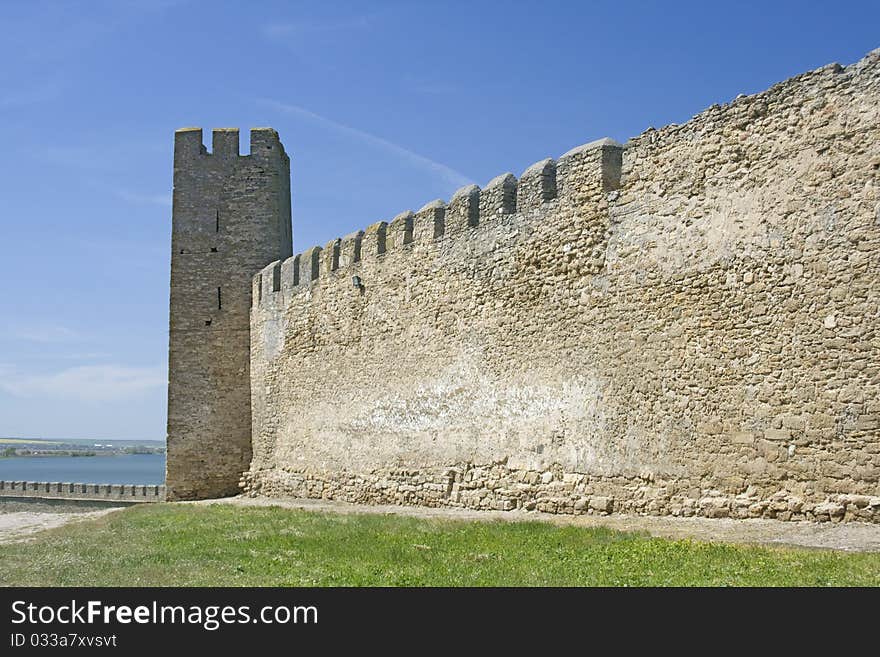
{"points": [[74, 491], [501, 488]]}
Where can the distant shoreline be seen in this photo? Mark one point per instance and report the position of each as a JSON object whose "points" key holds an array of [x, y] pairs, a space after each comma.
{"points": [[85, 455], [126, 468], [79, 441], [76, 448]]}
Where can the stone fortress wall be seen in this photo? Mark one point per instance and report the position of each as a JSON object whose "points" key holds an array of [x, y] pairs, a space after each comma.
{"points": [[56, 490], [687, 325]]}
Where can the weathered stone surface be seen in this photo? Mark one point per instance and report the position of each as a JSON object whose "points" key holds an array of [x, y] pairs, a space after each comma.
{"points": [[231, 217], [641, 329]]}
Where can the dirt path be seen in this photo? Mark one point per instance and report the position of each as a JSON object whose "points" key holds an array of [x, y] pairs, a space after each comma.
{"points": [[20, 525], [851, 537]]}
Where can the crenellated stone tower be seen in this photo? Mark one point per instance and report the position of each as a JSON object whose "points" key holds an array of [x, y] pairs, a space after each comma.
{"points": [[231, 217], [685, 325]]}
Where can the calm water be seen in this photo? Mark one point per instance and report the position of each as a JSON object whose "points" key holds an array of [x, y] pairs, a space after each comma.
{"points": [[122, 469]]}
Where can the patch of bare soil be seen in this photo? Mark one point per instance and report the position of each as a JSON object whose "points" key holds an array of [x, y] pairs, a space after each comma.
{"points": [[20, 525]]}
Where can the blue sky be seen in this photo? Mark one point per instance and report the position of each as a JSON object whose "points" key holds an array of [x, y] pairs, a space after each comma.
{"points": [[382, 106]]}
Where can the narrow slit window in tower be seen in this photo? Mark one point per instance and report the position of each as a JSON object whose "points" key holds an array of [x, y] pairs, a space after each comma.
{"points": [[217, 222], [219, 300]]}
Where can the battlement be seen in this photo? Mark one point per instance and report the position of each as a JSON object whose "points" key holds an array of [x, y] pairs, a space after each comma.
{"points": [[590, 168], [131, 493], [230, 216], [685, 325], [189, 145]]}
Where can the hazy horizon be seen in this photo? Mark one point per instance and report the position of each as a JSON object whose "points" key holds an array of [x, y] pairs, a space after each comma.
{"points": [[62, 439]]}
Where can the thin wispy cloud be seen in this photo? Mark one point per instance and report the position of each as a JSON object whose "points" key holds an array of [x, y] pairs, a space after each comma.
{"points": [[112, 245], [434, 88], [449, 174], [89, 383], [85, 355], [101, 164], [56, 355], [29, 96], [107, 161], [41, 333], [111, 156], [144, 199], [281, 31], [58, 30]]}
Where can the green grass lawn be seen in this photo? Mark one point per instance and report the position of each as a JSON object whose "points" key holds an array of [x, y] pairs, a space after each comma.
{"points": [[179, 545]]}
